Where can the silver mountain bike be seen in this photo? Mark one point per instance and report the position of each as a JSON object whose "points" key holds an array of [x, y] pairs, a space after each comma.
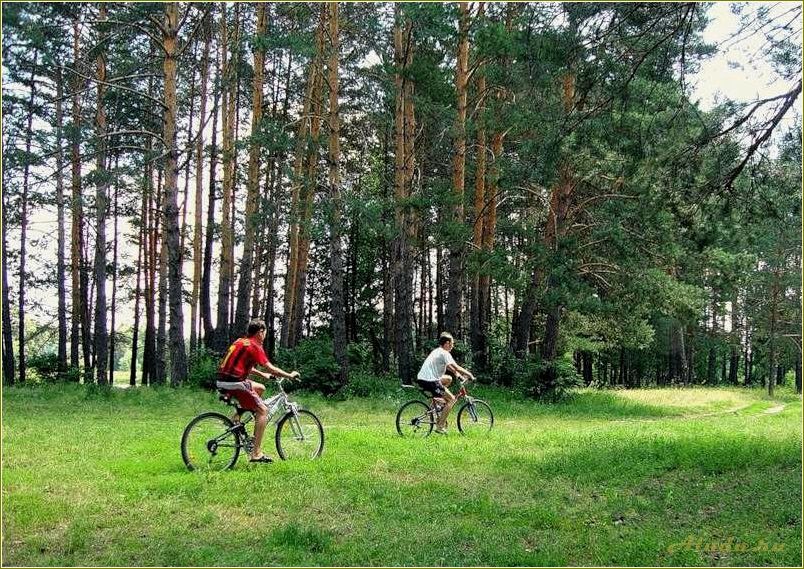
{"points": [[212, 441]]}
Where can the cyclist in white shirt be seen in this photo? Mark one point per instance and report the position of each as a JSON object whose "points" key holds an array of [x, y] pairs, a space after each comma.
{"points": [[433, 378]]}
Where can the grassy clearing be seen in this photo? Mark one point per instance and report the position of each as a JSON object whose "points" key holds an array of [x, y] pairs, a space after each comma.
{"points": [[650, 477]]}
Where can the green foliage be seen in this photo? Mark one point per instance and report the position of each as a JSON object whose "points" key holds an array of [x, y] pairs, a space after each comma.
{"points": [[315, 361], [202, 368], [45, 366]]}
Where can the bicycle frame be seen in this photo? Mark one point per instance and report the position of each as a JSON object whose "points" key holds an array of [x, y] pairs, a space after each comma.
{"points": [[278, 406]]}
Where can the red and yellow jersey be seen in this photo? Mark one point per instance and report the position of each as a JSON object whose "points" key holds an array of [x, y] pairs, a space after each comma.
{"points": [[242, 356]]}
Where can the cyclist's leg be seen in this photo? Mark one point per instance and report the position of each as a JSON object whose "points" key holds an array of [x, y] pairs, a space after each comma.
{"points": [[258, 387], [260, 420], [450, 401]]}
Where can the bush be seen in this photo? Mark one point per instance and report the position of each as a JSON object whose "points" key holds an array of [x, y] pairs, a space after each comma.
{"points": [[314, 359], [366, 384], [45, 367], [203, 368], [550, 381]]}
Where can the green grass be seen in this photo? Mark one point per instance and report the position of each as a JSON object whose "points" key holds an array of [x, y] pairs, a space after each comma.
{"points": [[648, 477]]}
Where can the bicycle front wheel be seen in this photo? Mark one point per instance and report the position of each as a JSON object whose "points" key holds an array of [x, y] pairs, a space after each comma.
{"points": [[209, 443], [299, 436], [414, 419], [475, 417]]}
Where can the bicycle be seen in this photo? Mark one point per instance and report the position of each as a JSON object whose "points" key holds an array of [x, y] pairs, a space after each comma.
{"points": [[212, 441], [417, 418]]}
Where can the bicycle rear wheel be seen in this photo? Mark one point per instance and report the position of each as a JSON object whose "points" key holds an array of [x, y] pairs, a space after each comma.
{"points": [[209, 443], [414, 419], [299, 436], [475, 417]]}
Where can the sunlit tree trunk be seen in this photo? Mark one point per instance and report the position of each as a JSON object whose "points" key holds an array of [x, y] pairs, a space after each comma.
{"points": [[339, 338], [253, 188], [453, 320], [199, 182], [101, 206], [24, 223], [226, 271], [205, 299], [76, 207], [178, 358], [61, 272]]}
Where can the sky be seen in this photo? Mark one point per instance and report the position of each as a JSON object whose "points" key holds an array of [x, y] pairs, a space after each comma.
{"points": [[729, 73]]}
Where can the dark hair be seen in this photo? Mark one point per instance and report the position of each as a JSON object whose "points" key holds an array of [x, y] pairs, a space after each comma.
{"points": [[255, 326], [444, 338]]}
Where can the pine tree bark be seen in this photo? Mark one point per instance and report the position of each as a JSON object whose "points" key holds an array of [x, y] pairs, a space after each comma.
{"points": [[453, 319], [77, 220], [477, 330], [403, 175], [61, 271], [178, 358], [302, 188], [24, 222], [8, 336], [205, 299], [112, 336], [253, 185], [339, 338], [101, 207], [135, 335], [162, 295], [199, 182], [226, 273]]}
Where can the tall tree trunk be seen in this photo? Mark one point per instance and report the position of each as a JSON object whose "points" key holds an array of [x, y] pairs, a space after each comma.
{"points": [[135, 336], [253, 189], [112, 336], [61, 271], [8, 336], [178, 358], [404, 163], [77, 218], [478, 309], [149, 353], [24, 221], [339, 338], [199, 182], [302, 194], [101, 205], [205, 299], [776, 290], [453, 320], [226, 272], [162, 295]]}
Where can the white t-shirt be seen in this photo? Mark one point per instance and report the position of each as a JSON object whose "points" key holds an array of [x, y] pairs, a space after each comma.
{"points": [[435, 366]]}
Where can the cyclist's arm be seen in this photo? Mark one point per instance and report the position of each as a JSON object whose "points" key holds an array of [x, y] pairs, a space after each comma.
{"points": [[273, 370], [455, 368]]}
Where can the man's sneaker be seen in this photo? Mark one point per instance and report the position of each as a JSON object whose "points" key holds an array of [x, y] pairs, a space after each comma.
{"points": [[441, 430]]}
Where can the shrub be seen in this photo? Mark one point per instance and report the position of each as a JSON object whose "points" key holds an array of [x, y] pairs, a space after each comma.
{"points": [[314, 359], [366, 384], [203, 368], [553, 380], [45, 367]]}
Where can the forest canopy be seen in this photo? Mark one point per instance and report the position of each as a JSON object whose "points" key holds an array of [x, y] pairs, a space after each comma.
{"points": [[539, 179]]}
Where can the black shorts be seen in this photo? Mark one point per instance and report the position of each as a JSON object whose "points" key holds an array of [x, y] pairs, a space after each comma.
{"points": [[431, 388]]}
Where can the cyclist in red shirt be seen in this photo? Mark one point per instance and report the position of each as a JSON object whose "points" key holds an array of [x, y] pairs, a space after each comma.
{"points": [[240, 361]]}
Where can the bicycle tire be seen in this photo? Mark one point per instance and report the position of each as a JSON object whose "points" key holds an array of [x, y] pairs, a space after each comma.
{"points": [[411, 420], [475, 416], [203, 439], [299, 439]]}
